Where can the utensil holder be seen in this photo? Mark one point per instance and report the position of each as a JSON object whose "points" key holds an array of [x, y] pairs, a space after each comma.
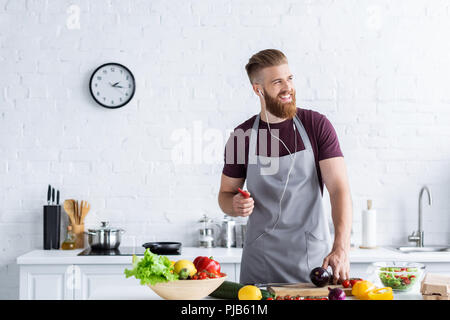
{"points": [[52, 225], [78, 230]]}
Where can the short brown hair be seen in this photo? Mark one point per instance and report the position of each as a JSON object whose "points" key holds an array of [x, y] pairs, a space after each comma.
{"points": [[263, 59]]}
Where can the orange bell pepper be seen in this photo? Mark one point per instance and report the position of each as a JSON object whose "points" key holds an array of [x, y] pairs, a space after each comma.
{"points": [[381, 294], [362, 288]]}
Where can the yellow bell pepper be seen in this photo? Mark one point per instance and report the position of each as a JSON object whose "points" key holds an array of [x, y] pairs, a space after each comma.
{"points": [[362, 288], [381, 294]]}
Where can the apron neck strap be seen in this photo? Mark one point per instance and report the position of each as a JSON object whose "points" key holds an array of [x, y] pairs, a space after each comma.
{"points": [[254, 133]]}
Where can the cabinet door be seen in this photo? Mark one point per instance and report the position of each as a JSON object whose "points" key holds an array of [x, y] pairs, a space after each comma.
{"points": [[230, 270], [46, 282], [108, 282], [237, 271]]}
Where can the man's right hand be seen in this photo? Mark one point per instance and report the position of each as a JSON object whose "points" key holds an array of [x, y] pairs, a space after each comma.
{"points": [[243, 207]]}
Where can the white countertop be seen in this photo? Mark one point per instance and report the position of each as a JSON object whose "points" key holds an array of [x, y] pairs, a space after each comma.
{"points": [[223, 255], [358, 255]]}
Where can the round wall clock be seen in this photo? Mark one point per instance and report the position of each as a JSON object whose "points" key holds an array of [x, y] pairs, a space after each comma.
{"points": [[112, 85]]}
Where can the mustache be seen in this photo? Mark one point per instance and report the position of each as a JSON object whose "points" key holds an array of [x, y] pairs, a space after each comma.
{"points": [[286, 92], [280, 109]]}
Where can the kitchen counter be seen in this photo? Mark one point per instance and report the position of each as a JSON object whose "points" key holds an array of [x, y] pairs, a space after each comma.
{"points": [[223, 255], [59, 274], [358, 255]]}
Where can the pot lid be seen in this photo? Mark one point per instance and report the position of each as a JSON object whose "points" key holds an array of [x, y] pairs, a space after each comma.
{"points": [[105, 228]]}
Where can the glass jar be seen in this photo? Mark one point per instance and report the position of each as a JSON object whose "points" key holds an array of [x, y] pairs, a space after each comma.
{"points": [[206, 232]]}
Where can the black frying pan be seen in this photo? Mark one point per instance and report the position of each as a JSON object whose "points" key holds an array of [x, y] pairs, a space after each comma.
{"points": [[163, 247]]}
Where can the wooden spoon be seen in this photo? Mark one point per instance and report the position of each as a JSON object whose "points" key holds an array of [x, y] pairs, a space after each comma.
{"points": [[69, 208], [77, 212], [85, 207]]}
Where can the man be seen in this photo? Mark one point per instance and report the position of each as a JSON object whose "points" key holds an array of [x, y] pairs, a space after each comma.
{"points": [[286, 154]]}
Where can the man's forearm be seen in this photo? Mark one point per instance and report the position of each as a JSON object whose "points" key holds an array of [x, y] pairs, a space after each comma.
{"points": [[341, 212], [226, 202]]}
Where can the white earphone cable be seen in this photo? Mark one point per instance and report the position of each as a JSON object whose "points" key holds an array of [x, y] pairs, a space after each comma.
{"points": [[287, 179]]}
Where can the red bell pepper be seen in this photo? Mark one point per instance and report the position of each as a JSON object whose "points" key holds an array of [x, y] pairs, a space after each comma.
{"points": [[207, 264]]}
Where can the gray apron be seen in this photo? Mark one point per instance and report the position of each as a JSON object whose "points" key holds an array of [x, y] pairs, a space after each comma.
{"points": [[286, 247]]}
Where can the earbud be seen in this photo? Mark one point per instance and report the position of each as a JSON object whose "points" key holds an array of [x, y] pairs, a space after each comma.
{"points": [[260, 92]]}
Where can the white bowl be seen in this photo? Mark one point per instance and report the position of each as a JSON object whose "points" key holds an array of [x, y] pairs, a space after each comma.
{"points": [[187, 289]]}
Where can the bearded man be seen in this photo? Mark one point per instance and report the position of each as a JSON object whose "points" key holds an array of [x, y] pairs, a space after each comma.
{"points": [[285, 155]]}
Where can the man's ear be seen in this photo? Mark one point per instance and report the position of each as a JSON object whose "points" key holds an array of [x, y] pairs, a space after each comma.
{"points": [[258, 90]]}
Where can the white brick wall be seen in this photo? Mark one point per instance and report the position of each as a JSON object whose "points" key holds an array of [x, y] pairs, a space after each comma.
{"points": [[378, 69]]}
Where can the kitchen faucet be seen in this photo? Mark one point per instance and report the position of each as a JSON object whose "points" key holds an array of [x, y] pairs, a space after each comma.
{"points": [[417, 236]]}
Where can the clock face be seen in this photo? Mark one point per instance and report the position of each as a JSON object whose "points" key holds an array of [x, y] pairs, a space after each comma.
{"points": [[112, 85]]}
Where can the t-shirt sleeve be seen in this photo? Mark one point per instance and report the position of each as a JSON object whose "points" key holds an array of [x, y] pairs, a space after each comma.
{"points": [[328, 143], [235, 157]]}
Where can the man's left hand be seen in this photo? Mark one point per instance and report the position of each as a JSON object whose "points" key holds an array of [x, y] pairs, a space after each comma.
{"points": [[338, 260]]}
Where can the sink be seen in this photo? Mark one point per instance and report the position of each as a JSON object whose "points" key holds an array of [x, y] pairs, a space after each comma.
{"points": [[423, 249]]}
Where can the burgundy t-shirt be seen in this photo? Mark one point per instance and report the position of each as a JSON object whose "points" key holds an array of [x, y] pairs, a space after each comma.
{"points": [[321, 133]]}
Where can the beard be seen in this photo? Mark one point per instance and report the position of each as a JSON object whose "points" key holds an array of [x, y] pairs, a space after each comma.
{"points": [[283, 110]]}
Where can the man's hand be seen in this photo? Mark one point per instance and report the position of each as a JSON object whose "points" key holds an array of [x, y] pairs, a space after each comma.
{"points": [[338, 260], [242, 207]]}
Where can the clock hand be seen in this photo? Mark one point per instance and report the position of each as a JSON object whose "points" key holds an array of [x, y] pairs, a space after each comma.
{"points": [[121, 90]]}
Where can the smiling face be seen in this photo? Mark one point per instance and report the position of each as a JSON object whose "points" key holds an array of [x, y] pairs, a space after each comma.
{"points": [[279, 92]]}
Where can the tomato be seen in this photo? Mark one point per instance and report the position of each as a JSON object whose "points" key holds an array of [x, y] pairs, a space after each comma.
{"points": [[287, 297], [270, 298], [354, 280], [346, 283]]}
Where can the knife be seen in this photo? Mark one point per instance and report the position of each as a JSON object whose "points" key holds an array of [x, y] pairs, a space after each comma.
{"points": [[57, 197], [53, 196], [49, 192]]}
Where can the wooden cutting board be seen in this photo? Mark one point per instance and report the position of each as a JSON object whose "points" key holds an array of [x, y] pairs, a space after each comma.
{"points": [[305, 290], [435, 284]]}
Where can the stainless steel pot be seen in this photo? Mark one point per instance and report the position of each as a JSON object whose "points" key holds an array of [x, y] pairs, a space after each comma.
{"points": [[104, 237]]}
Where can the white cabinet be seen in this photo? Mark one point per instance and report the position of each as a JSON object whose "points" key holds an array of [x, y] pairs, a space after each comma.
{"points": [[46, 282], [99, 281], [230, 270]]}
